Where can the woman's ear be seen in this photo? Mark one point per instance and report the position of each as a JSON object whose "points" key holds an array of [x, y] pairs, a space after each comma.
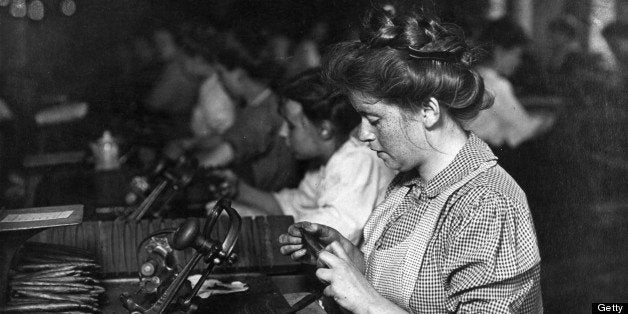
{"points": [[430, 112], [326, 130]]}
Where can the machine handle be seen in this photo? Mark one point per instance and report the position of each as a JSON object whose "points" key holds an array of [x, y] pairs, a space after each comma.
{"points": [[187, 235]]}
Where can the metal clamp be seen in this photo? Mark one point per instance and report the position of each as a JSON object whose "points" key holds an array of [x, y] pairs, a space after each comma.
{"points": [[212, 252]]}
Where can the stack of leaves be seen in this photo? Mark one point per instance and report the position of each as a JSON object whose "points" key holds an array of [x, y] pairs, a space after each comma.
{"points": [[54, 278]]}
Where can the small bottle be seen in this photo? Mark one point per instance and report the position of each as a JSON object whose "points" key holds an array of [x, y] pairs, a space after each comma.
{"points": [[106, 152]]}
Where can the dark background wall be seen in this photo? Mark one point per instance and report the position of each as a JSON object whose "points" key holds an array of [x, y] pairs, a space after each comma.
{"points": [[81, 56], [62, 55]]}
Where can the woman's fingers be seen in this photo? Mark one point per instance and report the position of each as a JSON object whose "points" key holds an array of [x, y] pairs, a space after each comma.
{"points": [[289, 239], [339, 251], [324, 274], [331, 260], [297, 255], [312, 228], [305, 225], [317, 230], [295, 230], [329, 292], [292, 243], [288, 249]]}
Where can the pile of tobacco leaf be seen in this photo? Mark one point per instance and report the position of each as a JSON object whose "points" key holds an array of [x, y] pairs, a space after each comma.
{"points": [[54, 278]]}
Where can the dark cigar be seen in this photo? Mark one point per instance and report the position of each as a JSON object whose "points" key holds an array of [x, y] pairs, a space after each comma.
{"points": [[46, 307], [312, 245]]}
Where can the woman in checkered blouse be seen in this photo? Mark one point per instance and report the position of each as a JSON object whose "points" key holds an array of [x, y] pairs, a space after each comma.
{"points": [[454, 233]]}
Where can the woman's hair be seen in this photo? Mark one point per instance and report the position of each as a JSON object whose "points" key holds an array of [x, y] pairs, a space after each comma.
{"points": [[615, 30], [320, 102], [407, 59]]}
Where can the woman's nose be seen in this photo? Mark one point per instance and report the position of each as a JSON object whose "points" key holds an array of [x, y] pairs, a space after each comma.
{"points": [[364, 132]]}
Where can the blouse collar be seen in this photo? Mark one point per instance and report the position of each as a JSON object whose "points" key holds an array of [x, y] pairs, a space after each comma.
{"points": [[473, 154]]}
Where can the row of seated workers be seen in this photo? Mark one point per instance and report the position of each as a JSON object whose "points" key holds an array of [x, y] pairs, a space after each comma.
{"points": [[256, 103], [286, 142]]}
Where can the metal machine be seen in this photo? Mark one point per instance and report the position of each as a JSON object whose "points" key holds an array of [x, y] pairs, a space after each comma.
{"points": [[163, 284], [152, 193], [169, 177]]}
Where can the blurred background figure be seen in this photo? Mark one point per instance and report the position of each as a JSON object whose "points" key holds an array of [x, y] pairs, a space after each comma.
{"points": [[214, 111], [563, 38], [573, 72], [345, 179], [175, 92], [6, 114], [306, 54], [276, 53], [8, 185], [506, 123], [616, 35], [252, 146]]}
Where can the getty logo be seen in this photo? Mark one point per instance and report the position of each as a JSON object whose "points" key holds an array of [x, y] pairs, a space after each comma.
{"points": [[608, 307]]}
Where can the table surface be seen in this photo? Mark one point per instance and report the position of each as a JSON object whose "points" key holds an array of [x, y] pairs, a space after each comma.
{"points": [[83, 186], [104, 191], [263, 296]]}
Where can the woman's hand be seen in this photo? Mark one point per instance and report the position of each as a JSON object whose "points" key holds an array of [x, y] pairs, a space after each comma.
{"points": [[293, 244], [252, 201], [348, 286]]}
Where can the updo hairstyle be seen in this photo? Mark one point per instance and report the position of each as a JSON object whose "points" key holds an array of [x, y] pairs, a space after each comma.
{"points": [[405, 60], [320, 102]]}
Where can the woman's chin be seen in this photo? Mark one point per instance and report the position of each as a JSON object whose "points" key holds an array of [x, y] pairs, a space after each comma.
{"points": [[389, 162]]}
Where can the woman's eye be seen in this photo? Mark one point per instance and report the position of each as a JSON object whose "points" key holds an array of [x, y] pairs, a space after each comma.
{"points": [[373, 122]]}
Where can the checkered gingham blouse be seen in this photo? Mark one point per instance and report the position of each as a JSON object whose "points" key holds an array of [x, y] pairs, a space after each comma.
{"points": [[481, 254]]}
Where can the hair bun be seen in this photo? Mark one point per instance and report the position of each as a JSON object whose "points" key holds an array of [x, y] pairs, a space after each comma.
{"points": [[417, 31], [407, 59], [379, 29]]}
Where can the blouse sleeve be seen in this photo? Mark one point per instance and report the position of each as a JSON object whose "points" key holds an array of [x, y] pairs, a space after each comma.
{"points": [[348, 193], [215, 111], [492, 263]]}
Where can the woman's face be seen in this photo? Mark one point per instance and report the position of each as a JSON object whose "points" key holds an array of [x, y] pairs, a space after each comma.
{"points": [[302, 136], [232, 80], [397, 135]]}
